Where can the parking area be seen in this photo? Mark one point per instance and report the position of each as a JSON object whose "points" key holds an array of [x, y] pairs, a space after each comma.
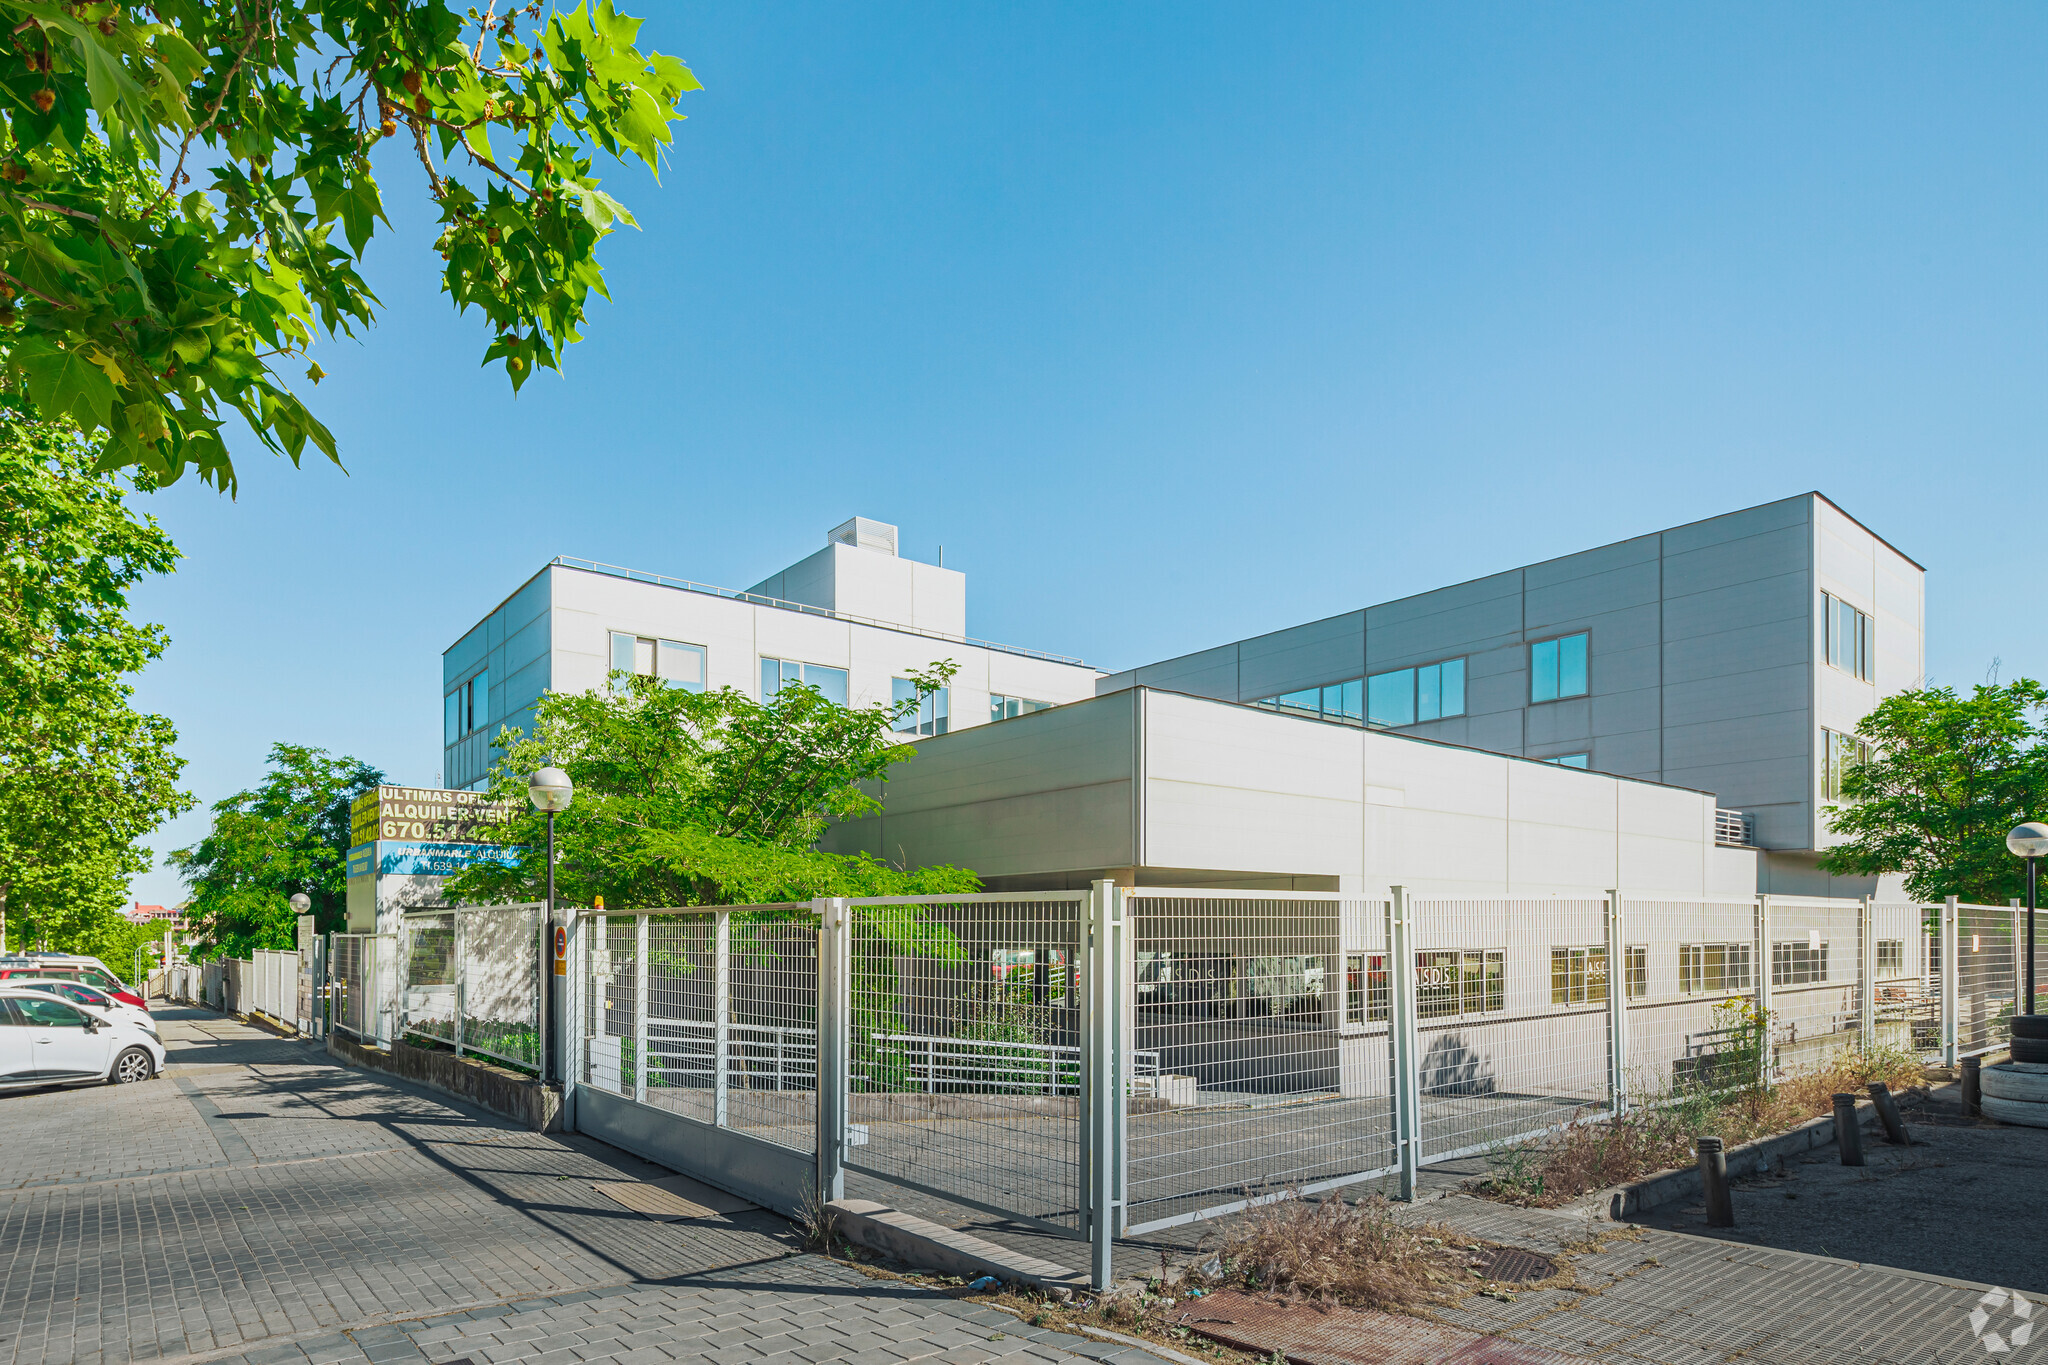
{"points": [[1966, 1199], [262, 1201]]}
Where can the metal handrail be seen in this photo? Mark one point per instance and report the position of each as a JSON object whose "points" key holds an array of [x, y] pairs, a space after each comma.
{"points": [[761, 600]]}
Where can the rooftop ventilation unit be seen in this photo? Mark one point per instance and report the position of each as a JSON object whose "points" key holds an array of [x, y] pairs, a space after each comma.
{"points": [[868, 535]]}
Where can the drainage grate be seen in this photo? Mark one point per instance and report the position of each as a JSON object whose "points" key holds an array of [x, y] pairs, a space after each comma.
{"points": [[1513, 1265], [1305, 1334]]}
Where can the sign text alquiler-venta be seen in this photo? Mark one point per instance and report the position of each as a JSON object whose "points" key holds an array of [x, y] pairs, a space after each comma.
{"points": [[434, 814]]}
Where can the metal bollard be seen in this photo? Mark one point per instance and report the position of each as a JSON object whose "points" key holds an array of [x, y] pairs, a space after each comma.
{"points": [[1973, 1087], [1714, 1178], [1848, 1132], [1888, 1114]]}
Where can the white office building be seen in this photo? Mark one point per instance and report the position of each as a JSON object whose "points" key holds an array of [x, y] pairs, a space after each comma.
{"points": [[853, 620]]}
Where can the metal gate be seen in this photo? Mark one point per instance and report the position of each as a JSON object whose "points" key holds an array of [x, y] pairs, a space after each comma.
{"points": [[693, 1041]]}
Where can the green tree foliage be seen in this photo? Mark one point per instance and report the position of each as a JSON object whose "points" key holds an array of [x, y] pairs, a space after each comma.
{"points": [[288, 834], [83, 775], [686, 798], [1948, 776], [135, 304]]}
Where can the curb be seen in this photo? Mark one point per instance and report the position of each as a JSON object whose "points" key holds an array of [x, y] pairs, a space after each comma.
{"points": [[926, 1245], [1618, 1203]]}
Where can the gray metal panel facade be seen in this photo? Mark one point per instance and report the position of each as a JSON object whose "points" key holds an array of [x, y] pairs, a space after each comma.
{"points": [[1705, 642]]}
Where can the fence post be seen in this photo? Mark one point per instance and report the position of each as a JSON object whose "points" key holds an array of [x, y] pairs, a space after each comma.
{"points": [[2019, 955], [721, 1015], [461, 975], [1763, 984], [835, 1041], [1617, 1006], [1951, 972], [640, 975], [1866, 977], [1101, 1074], [1401, 1009]]}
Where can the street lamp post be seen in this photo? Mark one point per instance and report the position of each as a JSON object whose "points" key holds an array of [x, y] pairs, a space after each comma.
{"points": [[2029, 841], [550, 791]]}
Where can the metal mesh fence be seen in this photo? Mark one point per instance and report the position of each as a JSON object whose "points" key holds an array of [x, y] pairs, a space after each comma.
{"points": [[1906, 995], [498, 979], [1987, 980], [1260, 1053], [426, 977], [966, 1050], [1813, 960], [710, 1014], [1511, 1018], [364, 979], [1683, 963]]}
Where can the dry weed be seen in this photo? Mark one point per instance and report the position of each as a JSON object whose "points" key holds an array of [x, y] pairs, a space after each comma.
{"points": [[1660, 1135], [1358, 1255]]}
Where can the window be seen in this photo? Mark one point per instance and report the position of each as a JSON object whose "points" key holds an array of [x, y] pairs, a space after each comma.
{"points": [[1578, 976], [677, 664], [1409, 696], [1557, 668], [1636, 964], [1365, 988], [1840, 755], [467, 708], [1465, 981], [1571, 760], [829, 682], [47, 1013], [1713, 968], [1799, 962], [1848, 636], [1335, 701], [1891, 957], [926, 716], [1006, 708]]}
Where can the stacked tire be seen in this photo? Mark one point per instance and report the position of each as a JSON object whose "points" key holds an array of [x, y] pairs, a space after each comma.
{"points": [[2030, 1038]]}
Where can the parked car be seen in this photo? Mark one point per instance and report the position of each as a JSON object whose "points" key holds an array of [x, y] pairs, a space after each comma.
{"points": [[89, 971], [93, 998], [47, 1041]]}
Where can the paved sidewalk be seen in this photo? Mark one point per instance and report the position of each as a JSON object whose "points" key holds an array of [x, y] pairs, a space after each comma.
{"points": [[263, 1203]]}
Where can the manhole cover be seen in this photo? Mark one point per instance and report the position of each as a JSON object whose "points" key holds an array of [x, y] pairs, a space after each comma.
{"points": [[1513, 1265]]}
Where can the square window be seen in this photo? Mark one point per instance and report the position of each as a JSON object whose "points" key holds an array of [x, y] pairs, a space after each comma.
{"points": [[1390, 698], [1558, 668]]}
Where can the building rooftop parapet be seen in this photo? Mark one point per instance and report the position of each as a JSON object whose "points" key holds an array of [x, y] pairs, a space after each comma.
{"points": [[759, 600]]}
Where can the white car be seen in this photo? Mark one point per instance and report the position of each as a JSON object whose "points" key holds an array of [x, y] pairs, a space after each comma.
{"points": [[93, 998], [48, 1041]]}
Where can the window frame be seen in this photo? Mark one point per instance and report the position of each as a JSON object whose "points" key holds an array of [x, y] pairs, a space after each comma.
{"points": [[1692, 976], [934, 709], [657, 648], [1557, 667], [463, 702], [1897, 965], [803, 667], [1584, 765], [1635, 967], [1577, 984], [1413, 691], [1798, 962], [1368, 990], [1492, 988], [1860, 649], [1025, 706], [1835, 764]]}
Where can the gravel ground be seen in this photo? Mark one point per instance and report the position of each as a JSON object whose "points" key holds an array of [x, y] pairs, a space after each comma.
{"points": [[1968, 1200]]}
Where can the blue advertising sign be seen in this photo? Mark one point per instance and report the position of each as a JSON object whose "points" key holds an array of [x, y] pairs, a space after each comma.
{"points": [[409, 859]]}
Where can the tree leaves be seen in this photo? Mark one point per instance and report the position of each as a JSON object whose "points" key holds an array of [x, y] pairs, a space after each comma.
{"points": [[1947, 778], [183, 297], [83, 775]]}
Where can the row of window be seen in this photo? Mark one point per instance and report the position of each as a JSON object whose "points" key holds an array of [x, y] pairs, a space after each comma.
{"points": [[1472, 980], [1415, 696]]}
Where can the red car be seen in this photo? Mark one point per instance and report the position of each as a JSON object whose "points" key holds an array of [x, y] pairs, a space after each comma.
{"points": [[67, 968]]}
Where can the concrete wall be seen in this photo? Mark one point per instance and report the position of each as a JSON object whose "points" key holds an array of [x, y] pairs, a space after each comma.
{"points": [[1705, 650], [865, 582], [1163, 789], [555, 632]]}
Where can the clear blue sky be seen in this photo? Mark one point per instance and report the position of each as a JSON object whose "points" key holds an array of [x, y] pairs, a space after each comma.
{"points": [[1179, 323]]}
